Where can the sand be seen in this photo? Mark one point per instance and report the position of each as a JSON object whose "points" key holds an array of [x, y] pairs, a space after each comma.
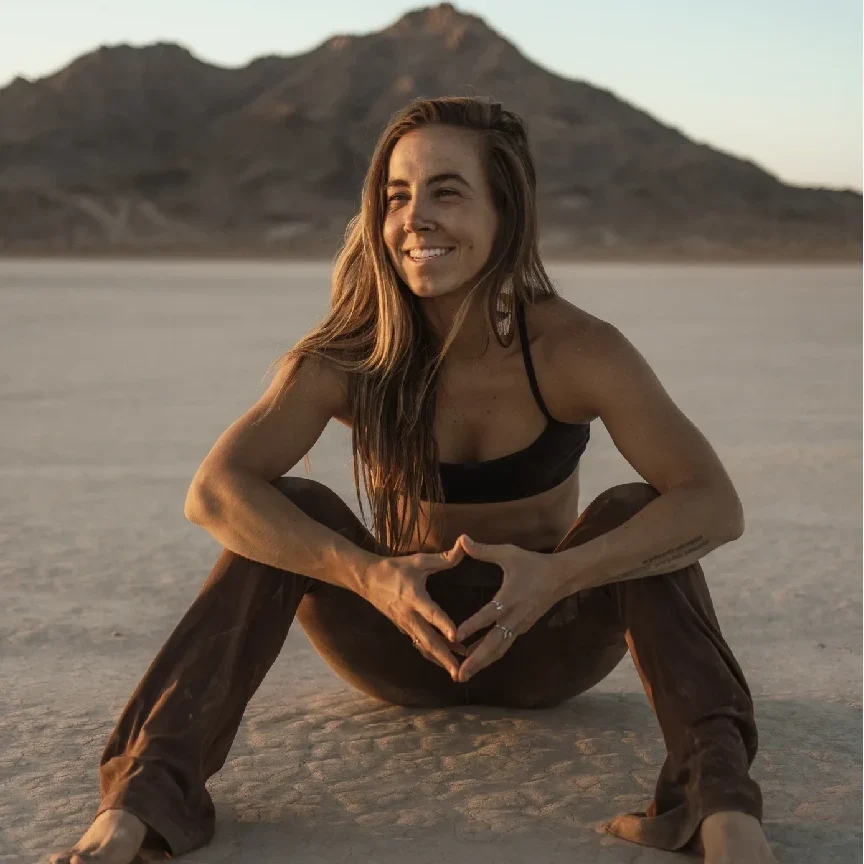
{"points": [[118, 377]]}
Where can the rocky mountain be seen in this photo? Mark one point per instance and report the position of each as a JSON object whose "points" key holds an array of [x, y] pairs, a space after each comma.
{"points": [[150, 149]]}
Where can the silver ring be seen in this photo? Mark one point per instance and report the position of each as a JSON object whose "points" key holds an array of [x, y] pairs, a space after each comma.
{"points": [[498, 606], [415, 643], [508, 633]]}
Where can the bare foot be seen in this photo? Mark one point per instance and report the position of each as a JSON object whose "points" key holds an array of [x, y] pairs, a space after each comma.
{"points": [[723, 838], [114, 838], [734, 838]]}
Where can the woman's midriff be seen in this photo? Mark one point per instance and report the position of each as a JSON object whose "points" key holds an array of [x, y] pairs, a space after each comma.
{"points": [[533, 523]]}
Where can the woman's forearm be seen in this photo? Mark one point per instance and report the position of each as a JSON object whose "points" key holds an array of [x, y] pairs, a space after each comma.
{"points": [[254, 519], [667, 534]]}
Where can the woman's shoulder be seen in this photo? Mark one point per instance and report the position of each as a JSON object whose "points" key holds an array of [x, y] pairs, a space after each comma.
{"points": [[565, 342], [322, 379], [557, 326]]}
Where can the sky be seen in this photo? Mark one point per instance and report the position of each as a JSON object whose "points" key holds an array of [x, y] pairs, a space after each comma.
{"points": [[778, 82]]}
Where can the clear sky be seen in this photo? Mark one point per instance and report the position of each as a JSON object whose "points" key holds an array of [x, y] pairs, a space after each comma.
{"points": [[776, 81]]}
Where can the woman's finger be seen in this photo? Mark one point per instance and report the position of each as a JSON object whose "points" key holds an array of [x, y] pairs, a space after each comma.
{"points": [[493, 646], [419, 647], [494, 553], [430, 611], [435, 561], [426, 655], [431, 642], [473, 647], [485, 616]]}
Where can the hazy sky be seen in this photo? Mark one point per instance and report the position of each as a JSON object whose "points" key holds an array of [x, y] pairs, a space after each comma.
{"points": [[777, 81]]}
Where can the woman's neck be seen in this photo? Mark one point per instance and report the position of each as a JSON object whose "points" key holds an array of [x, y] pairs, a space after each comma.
{"points": [[474, 335]]}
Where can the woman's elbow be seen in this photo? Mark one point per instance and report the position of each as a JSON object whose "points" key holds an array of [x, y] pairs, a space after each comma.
{"points": [[200, 502]]}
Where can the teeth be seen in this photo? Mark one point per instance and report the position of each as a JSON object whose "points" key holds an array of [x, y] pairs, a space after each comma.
{"points": [[419, 254]]}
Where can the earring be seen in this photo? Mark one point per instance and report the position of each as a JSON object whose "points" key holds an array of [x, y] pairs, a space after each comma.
{"points": [[503, 306]]}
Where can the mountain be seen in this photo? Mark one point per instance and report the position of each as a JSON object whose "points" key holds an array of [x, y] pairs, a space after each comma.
{"points": [[150, 149]]}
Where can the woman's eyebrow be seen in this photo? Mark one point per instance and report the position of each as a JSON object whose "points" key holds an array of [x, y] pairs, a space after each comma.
{"points": [[435, 178]]}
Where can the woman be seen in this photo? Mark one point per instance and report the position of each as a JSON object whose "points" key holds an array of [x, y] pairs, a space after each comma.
{"points": [[469, 386]]}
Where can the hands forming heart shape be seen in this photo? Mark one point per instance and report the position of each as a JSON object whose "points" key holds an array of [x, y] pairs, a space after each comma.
{"points": [[531, 585]]}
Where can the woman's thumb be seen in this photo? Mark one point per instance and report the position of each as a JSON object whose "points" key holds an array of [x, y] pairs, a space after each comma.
{"points": [[453, 556], [474, 549]]}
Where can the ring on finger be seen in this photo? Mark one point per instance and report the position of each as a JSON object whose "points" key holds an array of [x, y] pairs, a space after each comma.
{"points": [[508, 633], [415, 643], [499, 607]]}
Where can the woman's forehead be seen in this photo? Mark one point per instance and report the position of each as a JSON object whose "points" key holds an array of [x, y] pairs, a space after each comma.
{"points": [[432, 151]]}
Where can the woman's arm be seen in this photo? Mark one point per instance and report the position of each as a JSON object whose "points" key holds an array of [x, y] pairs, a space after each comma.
{"points": [[232, 496], [673, 531], [698, 508]]}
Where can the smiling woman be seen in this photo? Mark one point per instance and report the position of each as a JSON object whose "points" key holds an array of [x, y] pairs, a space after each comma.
{"points": [[434, 264], [469, 386]]}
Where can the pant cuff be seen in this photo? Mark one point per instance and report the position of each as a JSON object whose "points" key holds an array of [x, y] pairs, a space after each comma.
{"points": [[676, 828], [163, 832]]}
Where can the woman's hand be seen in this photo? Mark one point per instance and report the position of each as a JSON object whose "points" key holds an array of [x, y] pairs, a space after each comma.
{"points": [[397, 588], [530, 588]]}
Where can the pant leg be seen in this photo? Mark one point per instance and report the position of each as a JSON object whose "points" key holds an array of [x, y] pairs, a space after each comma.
{"points": [[180, 723], [692, 680]]}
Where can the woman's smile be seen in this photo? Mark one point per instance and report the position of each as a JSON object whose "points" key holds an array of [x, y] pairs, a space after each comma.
{"points": [[425, 257]]}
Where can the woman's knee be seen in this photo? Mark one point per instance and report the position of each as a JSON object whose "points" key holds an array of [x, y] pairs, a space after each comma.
{"points": [[317, 501], [609, 510], [636, 494], [620, 503], [322, 504], [302, 489]]}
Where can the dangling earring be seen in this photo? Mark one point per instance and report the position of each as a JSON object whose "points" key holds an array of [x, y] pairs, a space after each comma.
{"points": [[503, 306]]}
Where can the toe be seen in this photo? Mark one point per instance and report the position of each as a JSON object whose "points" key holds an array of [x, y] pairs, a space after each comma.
{"points": [[627, 826]]}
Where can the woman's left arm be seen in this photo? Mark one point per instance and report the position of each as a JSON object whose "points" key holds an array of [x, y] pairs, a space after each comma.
{"points": [[698, 508]]}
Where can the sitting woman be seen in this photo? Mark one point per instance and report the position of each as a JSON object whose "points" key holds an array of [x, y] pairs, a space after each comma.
{"points": [[469, 385]]}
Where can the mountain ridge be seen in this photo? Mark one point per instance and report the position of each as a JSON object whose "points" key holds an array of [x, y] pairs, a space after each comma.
{"points": [[270, 156]]}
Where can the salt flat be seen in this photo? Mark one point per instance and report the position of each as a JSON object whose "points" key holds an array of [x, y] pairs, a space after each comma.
{"points": [[117, 378]]}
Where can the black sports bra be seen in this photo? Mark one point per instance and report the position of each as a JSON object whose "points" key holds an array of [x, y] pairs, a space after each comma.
{"points": [[546, 462]]}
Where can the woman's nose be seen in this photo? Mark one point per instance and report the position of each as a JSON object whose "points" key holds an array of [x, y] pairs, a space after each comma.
{"points": [[417, 216]]}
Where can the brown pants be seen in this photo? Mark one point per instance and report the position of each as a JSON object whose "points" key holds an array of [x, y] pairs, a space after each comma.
{"points": [[179, 725]]}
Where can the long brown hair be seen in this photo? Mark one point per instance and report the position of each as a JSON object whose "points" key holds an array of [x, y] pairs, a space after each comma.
{"points": [[375, 330]]}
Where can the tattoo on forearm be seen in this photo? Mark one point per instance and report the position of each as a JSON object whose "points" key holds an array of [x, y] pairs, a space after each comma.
{"points": [[686, 552]]}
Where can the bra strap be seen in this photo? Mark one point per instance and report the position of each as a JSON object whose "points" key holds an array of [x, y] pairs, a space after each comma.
{"points": [[529, 366]]}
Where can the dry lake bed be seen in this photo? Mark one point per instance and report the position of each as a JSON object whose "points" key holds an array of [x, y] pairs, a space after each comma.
{"points": [[117, 377]]}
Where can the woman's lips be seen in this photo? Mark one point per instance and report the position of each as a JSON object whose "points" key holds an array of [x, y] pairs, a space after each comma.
{"points": [[429, 260]]}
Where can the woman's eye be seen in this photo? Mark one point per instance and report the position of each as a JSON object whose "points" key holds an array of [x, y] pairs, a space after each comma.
{"points": [[400, 196]]}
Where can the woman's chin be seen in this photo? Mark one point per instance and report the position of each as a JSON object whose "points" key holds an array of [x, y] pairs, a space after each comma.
{"points": [[430, 287]]}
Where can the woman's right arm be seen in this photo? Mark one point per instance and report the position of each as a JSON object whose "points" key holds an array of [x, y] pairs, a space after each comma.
{"points": [[232, 498]]}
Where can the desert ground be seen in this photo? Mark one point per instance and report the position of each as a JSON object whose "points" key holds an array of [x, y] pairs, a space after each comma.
{"points": [[118, 376]]}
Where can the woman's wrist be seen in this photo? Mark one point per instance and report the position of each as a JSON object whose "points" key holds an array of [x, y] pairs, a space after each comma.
{"points": [[361, 565], [569, 573]]}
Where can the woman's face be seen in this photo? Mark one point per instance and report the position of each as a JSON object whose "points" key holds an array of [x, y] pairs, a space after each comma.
{"points": [[437, 198]]}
